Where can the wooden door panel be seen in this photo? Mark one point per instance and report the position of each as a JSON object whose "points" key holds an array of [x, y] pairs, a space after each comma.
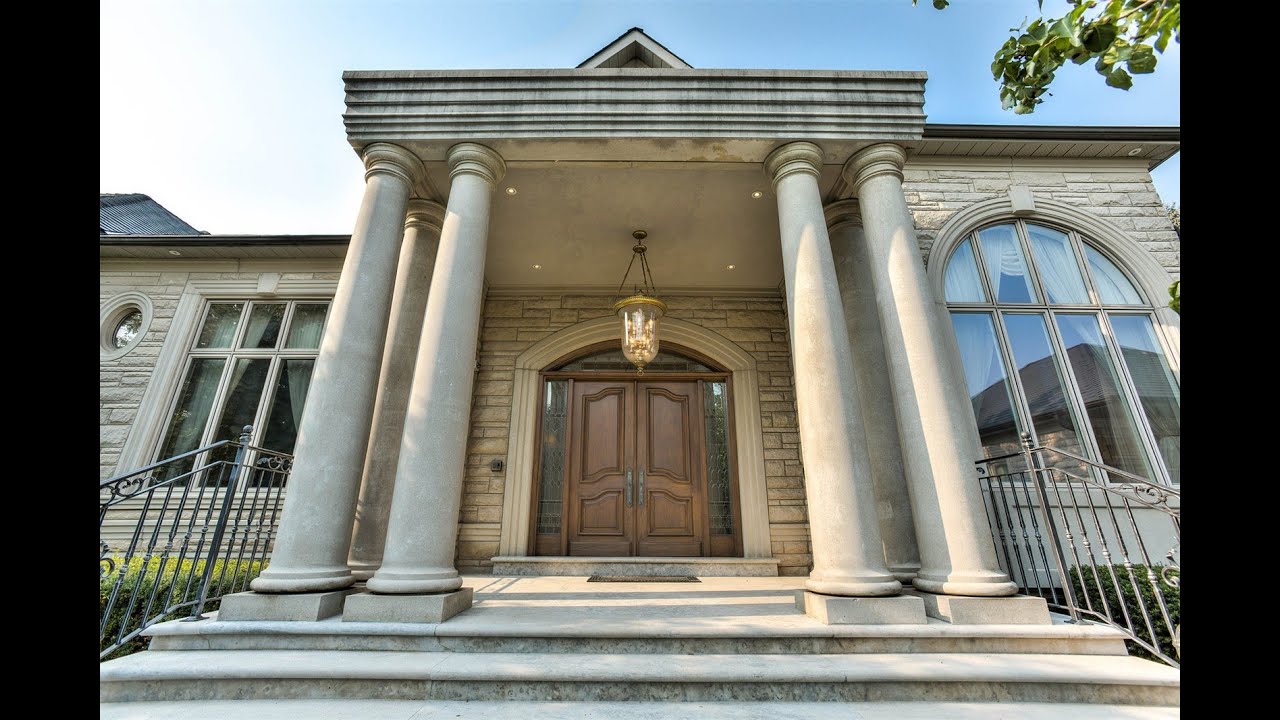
{"points": [[669, 502], [603, 440]]}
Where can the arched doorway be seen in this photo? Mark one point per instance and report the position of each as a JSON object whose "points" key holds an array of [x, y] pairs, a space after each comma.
{"points": [[635, 465], [517, 529]]}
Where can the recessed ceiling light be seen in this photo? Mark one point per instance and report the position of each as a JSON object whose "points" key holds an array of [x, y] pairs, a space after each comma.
{"points": [[174, 252], [757, 194], [537, 267], [511, 191], [730, 267], [1134, 152]]}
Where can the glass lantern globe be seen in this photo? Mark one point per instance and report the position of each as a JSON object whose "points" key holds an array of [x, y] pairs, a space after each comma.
{"points": [[640, 316]]}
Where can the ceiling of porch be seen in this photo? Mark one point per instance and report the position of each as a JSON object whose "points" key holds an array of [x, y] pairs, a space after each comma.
{"points": [[575, 220]]}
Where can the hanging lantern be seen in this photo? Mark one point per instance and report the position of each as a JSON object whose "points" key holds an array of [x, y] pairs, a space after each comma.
{"points": [[641, 312]]}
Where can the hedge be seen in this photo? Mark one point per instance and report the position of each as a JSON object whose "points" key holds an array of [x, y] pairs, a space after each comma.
{"points": [[1091, 588], [173, 583]]}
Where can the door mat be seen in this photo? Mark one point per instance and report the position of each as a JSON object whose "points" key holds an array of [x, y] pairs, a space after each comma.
{"points": [[644, 578]]}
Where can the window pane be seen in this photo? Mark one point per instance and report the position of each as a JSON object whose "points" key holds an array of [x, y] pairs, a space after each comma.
{"points": [[264, 326], [308, 325], [1056, 264], [988, 385], [962, 283], [1113, 287], [281, 426], [220, 325], [1157, 388], [551, 468], [1044, 387], [192, 412], [1109, 413], [716, 421], [1006, 267], [244, 392], [127, 329]]}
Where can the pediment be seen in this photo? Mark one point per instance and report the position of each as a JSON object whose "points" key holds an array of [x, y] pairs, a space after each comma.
{"points": [[634, 49]]}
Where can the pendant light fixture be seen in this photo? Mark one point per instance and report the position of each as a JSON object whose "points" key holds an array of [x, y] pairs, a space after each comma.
{"points": [[641, 311]]}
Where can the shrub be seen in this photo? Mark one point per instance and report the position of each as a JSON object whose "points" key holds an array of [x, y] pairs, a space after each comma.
{"points": [[174, 583], [1095, 593]]}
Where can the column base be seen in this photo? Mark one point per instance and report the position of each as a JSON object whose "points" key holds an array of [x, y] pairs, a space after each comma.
{"points": [[1015, 610], [304, 607], [877, 585], [832, 610], [976, 584], [390, 582], [367, 607], [304, 581]]}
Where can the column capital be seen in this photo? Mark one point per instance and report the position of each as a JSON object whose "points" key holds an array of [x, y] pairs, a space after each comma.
{"points": [[878, 159], [392, 160], [476, 159], [424, 214], [841, 212], [804, 157]]}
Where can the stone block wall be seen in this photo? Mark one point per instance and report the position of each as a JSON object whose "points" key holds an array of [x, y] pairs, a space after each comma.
{"points": [[1123, 196], [512, 323]]}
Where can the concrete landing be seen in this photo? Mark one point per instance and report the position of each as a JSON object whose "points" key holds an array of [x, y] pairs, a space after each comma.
{"points": [[649, 566], [480, 710]]}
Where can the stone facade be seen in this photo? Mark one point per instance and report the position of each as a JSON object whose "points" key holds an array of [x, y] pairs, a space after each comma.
{"points": [[512, 323], [1123, 196]]}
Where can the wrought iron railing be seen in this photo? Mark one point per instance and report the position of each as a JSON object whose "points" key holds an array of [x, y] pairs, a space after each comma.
{"points": [[178, 535], [1080, 534]]}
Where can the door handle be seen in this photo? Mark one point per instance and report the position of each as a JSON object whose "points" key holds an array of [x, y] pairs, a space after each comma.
{"points": [[628, 487], [641, 500]]}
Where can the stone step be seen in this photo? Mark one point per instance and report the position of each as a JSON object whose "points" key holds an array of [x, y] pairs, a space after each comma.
{"points": [[633, 566], [491, 710], [919, 677], [502, 634]]}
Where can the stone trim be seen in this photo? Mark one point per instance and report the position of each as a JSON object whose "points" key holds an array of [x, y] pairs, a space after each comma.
{"points": [[111, 312], [747, 425]]}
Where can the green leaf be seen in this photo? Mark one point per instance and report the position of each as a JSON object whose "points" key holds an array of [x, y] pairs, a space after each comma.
{"points": [[1120, 79], [1098, 36], [940, 4], [1143, 60]]}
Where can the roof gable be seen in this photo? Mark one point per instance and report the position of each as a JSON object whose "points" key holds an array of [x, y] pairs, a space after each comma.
{"points": [[634, 49]]}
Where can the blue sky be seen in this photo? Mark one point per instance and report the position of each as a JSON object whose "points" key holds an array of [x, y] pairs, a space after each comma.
{"points": [[230, 113]]}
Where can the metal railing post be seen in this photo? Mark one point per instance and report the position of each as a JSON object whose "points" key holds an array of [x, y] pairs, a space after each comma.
{"points": [[1034, 465], [197, 610]]}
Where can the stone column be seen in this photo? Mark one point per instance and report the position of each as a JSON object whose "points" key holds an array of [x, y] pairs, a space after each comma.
{"points": [[310, 553], [847, 555], [408, 304], [893, 503], [423, 527], [935, 421]]}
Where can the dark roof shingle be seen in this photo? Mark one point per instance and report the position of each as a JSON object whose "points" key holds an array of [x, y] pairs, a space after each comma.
{"points": [[137, 214]]}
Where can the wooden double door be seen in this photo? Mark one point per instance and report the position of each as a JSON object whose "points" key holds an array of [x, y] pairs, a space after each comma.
{"points": [[635, 482]]}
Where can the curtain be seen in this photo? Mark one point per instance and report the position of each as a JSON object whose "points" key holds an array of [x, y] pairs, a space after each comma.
{"points": [[961, 282], [1059, 271], [220, 325], [299, 381], [1113, 287], [264, 326], [1005, 266], [308, 326]]}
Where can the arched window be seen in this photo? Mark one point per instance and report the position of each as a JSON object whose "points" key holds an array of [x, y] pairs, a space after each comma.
{"points": [[1057, 341]]}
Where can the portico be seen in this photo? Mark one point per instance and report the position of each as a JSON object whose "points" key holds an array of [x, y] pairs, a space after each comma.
{"points": [[844, 418]]}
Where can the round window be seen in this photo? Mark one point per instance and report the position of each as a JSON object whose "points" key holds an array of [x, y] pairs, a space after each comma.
{"points": [[124, 321], [127, 329]]}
